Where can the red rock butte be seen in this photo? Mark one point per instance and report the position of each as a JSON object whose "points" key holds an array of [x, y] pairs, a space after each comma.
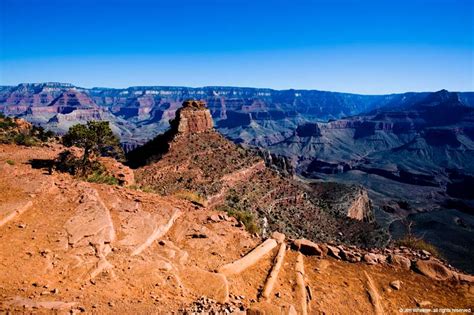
{"points": [[194, 117]]}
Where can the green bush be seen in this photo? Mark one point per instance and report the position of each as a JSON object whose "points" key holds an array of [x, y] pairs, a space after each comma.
{"points": [[41, 134], [146, 189], [90, 170], [102, 178], [10, 162], [246, 217], [66, 162], [7, 123], [417, 243], [24, 139], [193, 197]]}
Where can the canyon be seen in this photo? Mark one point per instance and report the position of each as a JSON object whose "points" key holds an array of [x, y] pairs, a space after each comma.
{"points": [[149, 244], [412, 152], [258, 117]]}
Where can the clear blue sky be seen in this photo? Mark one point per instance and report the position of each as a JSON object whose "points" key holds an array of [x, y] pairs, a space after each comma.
{"points": [[364, 46]]}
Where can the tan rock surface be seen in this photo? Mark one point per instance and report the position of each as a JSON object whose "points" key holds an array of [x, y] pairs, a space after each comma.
{"points": [[50, 258]]}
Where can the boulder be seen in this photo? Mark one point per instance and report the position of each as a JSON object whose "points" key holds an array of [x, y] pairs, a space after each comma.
{"points": [[434, 269], [381, 258], [334, 251], [423, 303], [324, 249], [401, 261], [307, 247], [163, 265], [349, 256], [464, 278], [395, 284], [370, 258], [373, 259], [214, 218], [279, 237]]}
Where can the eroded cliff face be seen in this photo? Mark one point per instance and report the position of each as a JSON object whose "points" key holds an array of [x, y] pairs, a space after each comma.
{"points": [[345, 200], [361, 207], [194, 117]]}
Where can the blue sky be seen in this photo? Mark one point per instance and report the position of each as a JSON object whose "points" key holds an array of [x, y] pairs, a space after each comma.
{"points": [[362, 46]]}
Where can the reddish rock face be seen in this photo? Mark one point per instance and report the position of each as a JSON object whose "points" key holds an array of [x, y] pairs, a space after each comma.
{"points": [[194, 117]]}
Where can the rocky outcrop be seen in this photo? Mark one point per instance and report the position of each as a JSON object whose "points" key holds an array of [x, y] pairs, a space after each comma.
{"points": [[122, 173], [349, 200], [280, 163], [434, 270], [308, 130], [361, 208], [193, 117]]}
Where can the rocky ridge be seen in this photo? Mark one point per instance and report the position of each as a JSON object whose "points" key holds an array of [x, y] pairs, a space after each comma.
{"points": [[203, 164]]}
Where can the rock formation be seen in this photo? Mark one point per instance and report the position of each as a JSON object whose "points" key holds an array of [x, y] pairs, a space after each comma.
{"points": [[193, 158], [193, 117]]}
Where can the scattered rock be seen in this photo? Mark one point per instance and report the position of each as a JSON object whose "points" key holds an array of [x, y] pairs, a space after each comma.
{"points": [[307, 247], [214, 218], [349, 256], [45, 252], [464, 278], [434, 269], [163, 265], [423, 303], [425, 252], [370, 259], [334, 251], [401, 261], [216, 286], [395, 284], [279, 237], [373, 259]]}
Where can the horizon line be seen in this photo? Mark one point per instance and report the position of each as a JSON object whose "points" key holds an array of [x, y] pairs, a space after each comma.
{"points": [[222, 86]]}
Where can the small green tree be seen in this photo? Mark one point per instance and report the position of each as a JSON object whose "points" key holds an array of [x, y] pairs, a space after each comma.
{"points": [[96, 138]]}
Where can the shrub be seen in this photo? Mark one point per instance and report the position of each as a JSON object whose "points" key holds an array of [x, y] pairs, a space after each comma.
{"points": [[7, 123], [24, 139], [10, 162], [95, 137], [246, 217], [66, 162], [41, 134], [146, 189], [93, 171], [101, 177], [417, 243], [193, 197]]}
